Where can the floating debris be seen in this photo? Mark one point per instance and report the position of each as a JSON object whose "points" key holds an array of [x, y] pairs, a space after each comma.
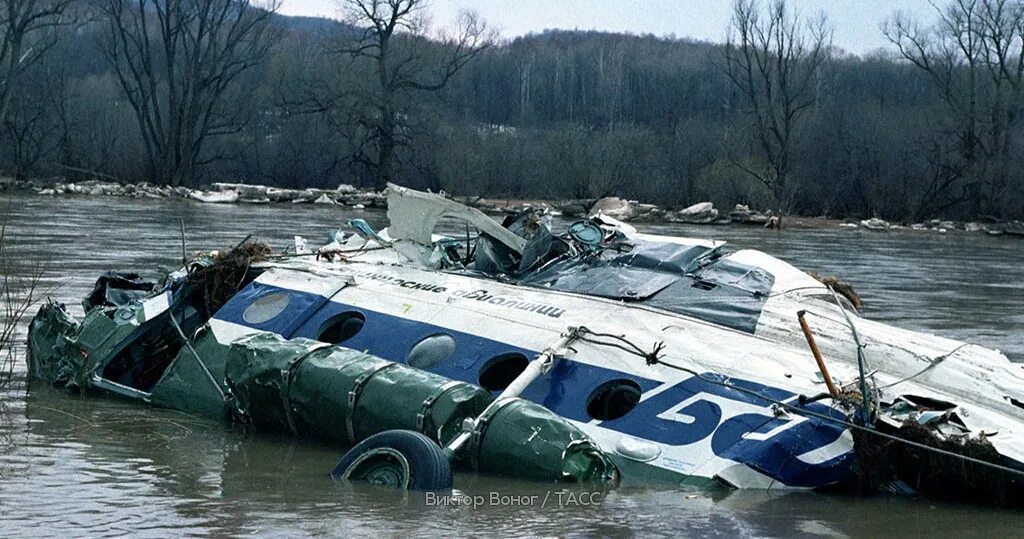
{"points": [[701, 213], [876, 224]]}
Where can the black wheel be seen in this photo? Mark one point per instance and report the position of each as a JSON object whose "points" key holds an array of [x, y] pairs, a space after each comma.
{"points": [[399, 459]]}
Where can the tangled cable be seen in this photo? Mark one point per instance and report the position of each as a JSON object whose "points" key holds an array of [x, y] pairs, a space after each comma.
{"points": [[619, 341], [654, 358]]}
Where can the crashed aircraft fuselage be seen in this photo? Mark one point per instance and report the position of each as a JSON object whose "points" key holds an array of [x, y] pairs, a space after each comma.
{"points": [[703, 373]]}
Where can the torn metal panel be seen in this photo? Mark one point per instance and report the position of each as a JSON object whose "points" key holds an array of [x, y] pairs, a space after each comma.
{"points": [[114, 289], [414, 215], [185, 385], [52, 351]]}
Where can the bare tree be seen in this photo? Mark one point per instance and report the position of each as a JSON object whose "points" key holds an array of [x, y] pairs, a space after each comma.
{"points": [[775, 62], [974, 55], [19, 289], [392, 40], [23, 39], [176, 61], [37, 123]]}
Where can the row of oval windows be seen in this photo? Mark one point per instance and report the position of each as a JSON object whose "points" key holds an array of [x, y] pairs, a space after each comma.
{"points": [[610, 400]]}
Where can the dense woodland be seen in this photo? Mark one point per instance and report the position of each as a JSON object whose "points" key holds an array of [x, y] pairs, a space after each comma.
{"points": [[197, 91]]}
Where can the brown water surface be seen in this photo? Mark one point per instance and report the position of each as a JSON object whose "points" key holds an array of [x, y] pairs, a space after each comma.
{"points": [[76, 466]]}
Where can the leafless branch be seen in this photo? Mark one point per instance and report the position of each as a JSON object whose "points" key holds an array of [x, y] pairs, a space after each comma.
{"points": [[24, 39], [19, 290], [176, 61], [775, 60], [393, 41], [974, 56]]}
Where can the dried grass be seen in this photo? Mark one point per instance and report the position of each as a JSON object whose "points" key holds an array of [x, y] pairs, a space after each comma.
{"points": [[841, 287], [228, 273]]}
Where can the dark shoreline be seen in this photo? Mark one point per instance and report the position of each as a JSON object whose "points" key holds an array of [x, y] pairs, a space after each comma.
{"points": [[624, 210]]}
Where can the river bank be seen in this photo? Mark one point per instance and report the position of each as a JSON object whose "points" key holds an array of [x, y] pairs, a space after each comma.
{"points": [[701, 213]]}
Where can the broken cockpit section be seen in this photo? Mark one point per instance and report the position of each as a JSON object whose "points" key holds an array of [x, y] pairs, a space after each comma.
{"points": [[598, 257], [134, 330]]}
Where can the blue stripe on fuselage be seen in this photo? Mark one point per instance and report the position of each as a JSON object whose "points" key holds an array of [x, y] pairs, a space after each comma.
{"points": [[567, 389], [392, 337]]}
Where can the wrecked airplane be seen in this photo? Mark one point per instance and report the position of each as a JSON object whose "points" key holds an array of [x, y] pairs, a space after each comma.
{"points": [[597, 354]]}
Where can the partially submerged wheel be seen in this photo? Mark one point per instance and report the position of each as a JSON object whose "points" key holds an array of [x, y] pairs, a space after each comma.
{"points": [[399, 459]]}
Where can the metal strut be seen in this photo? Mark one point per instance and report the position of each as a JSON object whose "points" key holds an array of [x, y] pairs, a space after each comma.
{"points": [[865, 403], [540, 366], [817, 355], [199, 360]]}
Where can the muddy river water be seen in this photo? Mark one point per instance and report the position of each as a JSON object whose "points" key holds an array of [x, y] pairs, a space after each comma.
{"points": [[71, 466]]}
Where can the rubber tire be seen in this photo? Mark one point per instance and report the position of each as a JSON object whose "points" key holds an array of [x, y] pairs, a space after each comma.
{"points": [[428, 466]]}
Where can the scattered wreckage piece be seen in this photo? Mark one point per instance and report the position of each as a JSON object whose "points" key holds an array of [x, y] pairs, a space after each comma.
{"points": [[741, 213], [701, 213], [876, 224], [215, 197]]}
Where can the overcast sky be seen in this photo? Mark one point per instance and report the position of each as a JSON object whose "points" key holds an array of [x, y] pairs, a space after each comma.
{"points": [[856, 21]]}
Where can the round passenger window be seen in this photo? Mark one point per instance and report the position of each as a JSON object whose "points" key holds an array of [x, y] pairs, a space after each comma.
{"points": [[341, 327], [431, 351], [266, 308], [613, 399], [501, 370]]}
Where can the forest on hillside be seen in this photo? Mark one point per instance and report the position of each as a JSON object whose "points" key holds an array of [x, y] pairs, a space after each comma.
{"points": [[197, 91]]}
